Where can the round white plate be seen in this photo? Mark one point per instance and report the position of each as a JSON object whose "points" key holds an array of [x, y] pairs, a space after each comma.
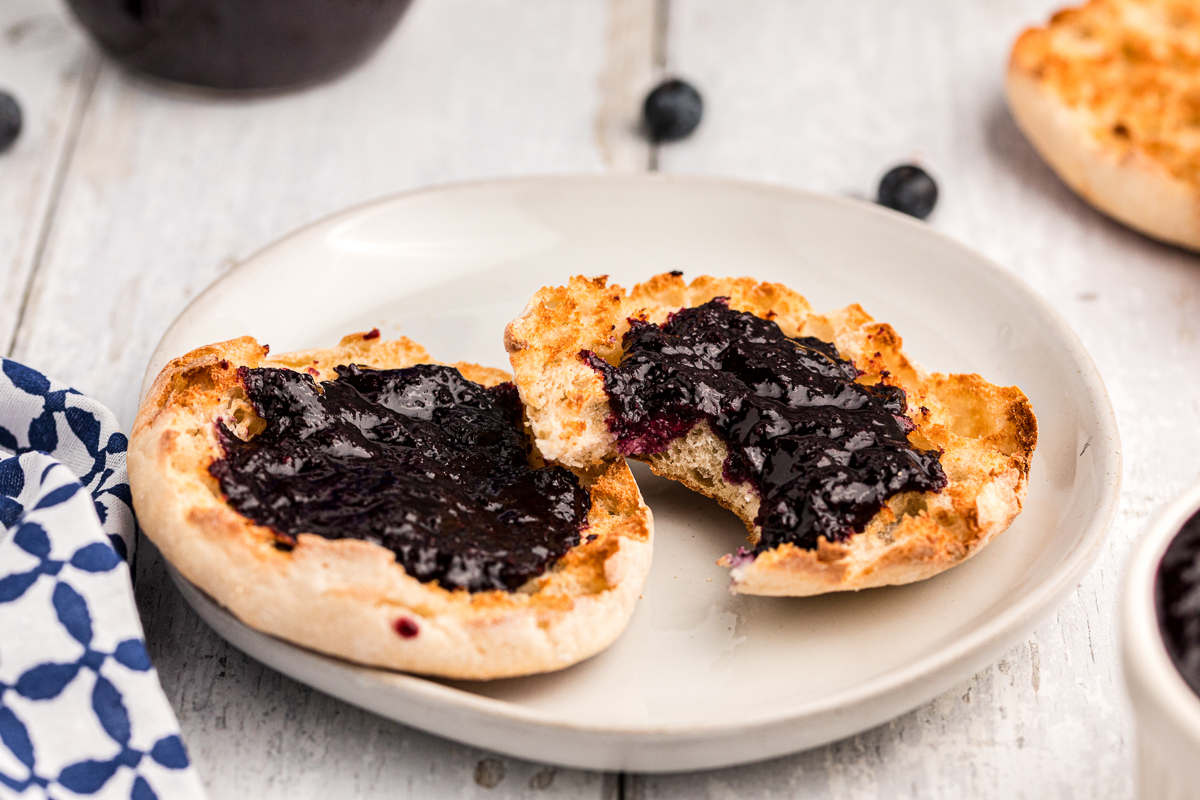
{"points": [[701, 678]]}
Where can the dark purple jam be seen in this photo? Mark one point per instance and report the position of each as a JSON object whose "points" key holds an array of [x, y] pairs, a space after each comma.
{"points": [[823, 451], [1177, 593], [420, 460]]}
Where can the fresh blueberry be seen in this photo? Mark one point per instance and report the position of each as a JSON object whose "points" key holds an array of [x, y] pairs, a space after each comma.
{"points": [[10, 120], [672, 110], [908, 189]]}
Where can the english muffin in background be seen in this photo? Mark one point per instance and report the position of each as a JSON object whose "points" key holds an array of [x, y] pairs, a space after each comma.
{"points": [[1109, 94]]}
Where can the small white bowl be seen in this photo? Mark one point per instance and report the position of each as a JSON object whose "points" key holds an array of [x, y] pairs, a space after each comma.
{"points": [[1167, 711]]}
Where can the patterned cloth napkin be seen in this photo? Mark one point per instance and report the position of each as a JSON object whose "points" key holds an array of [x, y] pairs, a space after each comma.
{"points": [[81, 710]]}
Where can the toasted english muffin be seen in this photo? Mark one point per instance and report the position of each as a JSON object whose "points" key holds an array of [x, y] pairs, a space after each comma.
{"points": [[1109, 95], [352, 598], [986, 434]]}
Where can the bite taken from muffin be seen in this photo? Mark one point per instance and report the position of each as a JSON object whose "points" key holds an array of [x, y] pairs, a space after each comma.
{"points": [[850, 465]]}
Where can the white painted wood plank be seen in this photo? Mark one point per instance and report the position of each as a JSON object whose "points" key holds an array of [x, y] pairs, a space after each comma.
{"points": [[44, 64], [630, 70], [167, 189], [827, 96]]}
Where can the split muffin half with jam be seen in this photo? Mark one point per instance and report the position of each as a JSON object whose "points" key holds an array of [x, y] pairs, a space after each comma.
{"points": [[369, 503], [850, 466]]}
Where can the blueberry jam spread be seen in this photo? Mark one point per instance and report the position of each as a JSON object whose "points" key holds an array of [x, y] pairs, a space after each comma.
{"points": [[420, 461], [823, 452], [1177, 593]]}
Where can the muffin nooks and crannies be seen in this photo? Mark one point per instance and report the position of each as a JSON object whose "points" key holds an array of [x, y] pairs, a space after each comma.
{"points": [[1107, 93], [850, 466], [369, 503]]}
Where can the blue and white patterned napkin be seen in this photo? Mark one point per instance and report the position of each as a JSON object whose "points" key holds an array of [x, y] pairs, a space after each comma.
{"points": [[81, 710]]}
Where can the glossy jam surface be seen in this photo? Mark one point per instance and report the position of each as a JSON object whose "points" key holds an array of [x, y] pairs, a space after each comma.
{"points": [[1177, 593], [420, 461], [823, 451], [240, 44]]}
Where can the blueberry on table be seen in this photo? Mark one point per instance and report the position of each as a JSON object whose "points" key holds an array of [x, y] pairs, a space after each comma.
{"points": [[672, 110], [10, 120], [908, 189]]}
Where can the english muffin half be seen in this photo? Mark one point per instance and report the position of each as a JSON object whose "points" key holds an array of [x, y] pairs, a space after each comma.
{"points": [[867, 420], [1109, 95], [442, 581]]}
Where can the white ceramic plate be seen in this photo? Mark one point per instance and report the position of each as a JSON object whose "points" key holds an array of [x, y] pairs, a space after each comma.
{"points": [[701, 678]]}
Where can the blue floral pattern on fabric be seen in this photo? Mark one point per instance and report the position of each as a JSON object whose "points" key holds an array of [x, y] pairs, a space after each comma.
{"points": [[81, 710]]}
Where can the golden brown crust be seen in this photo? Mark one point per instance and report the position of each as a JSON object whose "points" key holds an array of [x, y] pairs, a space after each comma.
{"points": [[1109, 94], [987, 433], [344, 597]]}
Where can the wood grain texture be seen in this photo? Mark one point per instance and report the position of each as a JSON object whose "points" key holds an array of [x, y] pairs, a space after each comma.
{"points": [[827, 96], [47, 67], [628, 73]]}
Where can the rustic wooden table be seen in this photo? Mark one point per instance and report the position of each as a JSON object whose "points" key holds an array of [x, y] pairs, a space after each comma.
{"points": [[123, 198]]}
